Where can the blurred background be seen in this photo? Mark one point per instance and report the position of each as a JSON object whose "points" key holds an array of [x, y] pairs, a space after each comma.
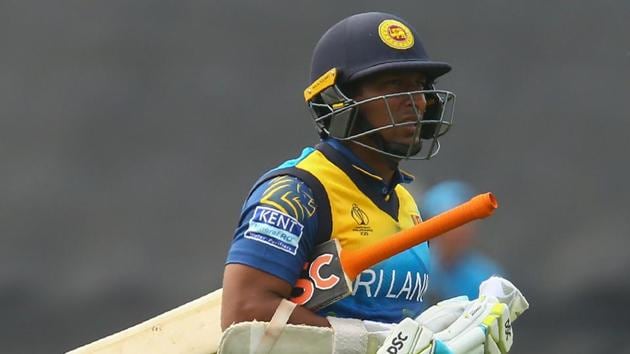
{"points": [[131, 131]]}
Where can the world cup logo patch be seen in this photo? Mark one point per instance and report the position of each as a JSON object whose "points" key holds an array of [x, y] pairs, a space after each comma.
{"points": [[362, 220], [395, 34], [359, 215]]}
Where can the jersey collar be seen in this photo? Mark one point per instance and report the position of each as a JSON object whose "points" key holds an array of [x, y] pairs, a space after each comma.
{"points": [[400, 176]]}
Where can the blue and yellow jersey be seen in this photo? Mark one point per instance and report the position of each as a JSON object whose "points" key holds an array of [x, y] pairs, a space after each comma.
{"points": [[327, 192], [276, 228]]}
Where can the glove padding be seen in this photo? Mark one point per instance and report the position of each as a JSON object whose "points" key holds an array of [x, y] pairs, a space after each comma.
{"points": [[460, 326]]}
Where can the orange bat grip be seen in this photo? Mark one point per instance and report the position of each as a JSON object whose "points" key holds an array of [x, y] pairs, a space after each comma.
{"points": [[355, 261]]}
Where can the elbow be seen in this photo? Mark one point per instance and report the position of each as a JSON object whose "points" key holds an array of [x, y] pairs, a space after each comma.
{"points": [[250, 294], [247, 309]]}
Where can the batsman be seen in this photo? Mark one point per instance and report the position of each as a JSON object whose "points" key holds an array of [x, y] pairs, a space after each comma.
{"points": [[374, 102]]}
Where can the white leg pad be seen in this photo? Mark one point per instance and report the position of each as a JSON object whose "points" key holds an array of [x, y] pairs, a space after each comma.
{"points": [[243, 338]]}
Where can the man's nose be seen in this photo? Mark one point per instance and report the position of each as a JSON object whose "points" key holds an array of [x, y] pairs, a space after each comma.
{"points": [[419, 101]]}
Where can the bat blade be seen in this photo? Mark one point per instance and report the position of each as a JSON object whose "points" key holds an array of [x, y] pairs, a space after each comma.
{"points": [[194, 327]]}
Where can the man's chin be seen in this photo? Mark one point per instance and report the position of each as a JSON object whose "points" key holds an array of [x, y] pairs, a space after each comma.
{"points": [[403, 149]]}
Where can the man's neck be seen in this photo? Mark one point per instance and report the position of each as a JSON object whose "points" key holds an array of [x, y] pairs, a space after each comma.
{"points": [[384, 166]]}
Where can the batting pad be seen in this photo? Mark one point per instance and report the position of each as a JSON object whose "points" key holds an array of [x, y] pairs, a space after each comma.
{"points": [[242, 338]]}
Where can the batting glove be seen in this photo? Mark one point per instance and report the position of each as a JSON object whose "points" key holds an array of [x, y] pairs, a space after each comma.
{"points": [[459, 326]]}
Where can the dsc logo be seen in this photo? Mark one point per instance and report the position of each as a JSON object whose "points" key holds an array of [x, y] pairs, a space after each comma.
{"points": [[397, 344], [315, 279]]}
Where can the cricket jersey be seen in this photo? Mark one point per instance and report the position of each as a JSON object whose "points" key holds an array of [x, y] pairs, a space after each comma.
{"points": [[327, 192]]}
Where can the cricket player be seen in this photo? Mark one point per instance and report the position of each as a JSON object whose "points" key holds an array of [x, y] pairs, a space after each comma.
{"points": [[374, 102]]}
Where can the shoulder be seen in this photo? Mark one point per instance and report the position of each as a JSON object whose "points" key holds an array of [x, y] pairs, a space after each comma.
{"points": [[286, 193], [403, 191], [405, 196], [277, 229]]}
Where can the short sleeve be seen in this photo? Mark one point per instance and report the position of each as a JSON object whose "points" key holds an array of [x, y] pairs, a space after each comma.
{"points": [[277, 228]]}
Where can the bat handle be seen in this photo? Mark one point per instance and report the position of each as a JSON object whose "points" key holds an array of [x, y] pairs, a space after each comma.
{"points": [[356, 261]]}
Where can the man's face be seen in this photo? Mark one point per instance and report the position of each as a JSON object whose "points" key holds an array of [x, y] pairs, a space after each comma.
{"points": [[404, 108]]}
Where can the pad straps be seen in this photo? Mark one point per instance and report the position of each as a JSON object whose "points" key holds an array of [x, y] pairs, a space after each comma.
{"points": [[274, 327], [349, 336]]}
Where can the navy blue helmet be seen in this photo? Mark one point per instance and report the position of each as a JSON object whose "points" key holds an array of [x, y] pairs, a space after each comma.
{"points": [[358, 47]]}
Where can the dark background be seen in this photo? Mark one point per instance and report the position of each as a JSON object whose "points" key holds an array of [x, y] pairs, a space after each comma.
{"points": [[130, 132]]}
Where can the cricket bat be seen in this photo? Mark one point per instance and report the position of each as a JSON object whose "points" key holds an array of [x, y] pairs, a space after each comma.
{"points": [[194, 328], [328, 277]]}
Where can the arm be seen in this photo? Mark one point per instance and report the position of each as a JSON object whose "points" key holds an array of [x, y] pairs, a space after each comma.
{"points": [[250, 294], [266, 256]]}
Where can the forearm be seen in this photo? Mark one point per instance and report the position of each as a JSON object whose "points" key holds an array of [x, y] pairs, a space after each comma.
{"points": [[302, 315], [262, 308]]}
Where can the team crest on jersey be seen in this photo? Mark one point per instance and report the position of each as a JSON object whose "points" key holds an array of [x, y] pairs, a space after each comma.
{"points": [[362, 220], [395, 34], [275, 228]]}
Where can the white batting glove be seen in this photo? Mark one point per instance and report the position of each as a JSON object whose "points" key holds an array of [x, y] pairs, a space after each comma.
{"points": [[459, 326]]}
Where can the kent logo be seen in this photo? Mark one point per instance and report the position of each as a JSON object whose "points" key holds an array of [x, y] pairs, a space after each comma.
{"points": [[275, 228], [276, 218]]}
